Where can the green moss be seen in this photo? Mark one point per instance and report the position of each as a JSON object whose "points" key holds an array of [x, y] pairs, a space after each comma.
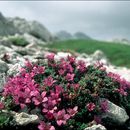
{"points": [[18, 41]]}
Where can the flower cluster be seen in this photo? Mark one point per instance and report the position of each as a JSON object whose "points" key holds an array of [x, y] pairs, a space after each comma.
{"points": [[64, 92], [124, 86]]}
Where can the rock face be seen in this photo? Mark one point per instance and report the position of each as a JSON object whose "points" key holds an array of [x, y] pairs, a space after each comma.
{"points": [[33, 28], [115, 113], [96, 127], [12, 26], [6, 28], [25, 119]]}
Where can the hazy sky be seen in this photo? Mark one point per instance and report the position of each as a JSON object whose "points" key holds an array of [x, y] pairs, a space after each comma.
{"points": [[98, 19]]}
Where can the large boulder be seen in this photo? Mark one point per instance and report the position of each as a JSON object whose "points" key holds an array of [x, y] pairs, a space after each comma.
{"points": [[116, 114], [96, 127]]}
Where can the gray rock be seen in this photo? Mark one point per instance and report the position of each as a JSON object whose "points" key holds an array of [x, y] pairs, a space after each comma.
{"points": [[60, 55], [115, 113], [5, 42], [32, 40], [32, 27], [2, 81], [96, 127], [14, 69], [11, 57], [4, 49], [3, 67], [6, 27], [12, 26], [25, 119], [98, 54], [22, 118]]}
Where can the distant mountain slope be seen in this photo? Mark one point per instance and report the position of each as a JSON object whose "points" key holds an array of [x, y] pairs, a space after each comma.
{"points": [[81, 35], [64, 35], [11, 26]]}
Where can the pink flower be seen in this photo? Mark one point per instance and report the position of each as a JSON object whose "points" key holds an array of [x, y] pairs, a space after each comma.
{"points": [[36, 101], [76, 87], [45, 126], [1, 105], [49, 81], [44, 98], [38, 69], [97, 119], [27, 100], [71, 59], [61, 71], [91, 106], [61, 117], [59, 89], [70, 77], [81, 66], [49, 106], [50, 56], [22, 105], [49, 115], [73, 111], [34, 93], [104, 105], [122, 91], [69, 68], [28, 64]]}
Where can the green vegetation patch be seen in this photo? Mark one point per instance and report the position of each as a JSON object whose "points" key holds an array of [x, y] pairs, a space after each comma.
{"points": [[19, 41], [118, 54]]}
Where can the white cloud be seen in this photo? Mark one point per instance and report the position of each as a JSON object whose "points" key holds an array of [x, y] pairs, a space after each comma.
{"points": [[100, 19]]}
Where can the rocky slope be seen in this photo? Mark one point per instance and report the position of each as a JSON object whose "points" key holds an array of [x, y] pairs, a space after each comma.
{"points": [[12, 58]]}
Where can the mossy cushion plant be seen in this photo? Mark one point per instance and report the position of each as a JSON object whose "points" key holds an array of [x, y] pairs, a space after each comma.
{"points": [[18, 41], [64, 94]]}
